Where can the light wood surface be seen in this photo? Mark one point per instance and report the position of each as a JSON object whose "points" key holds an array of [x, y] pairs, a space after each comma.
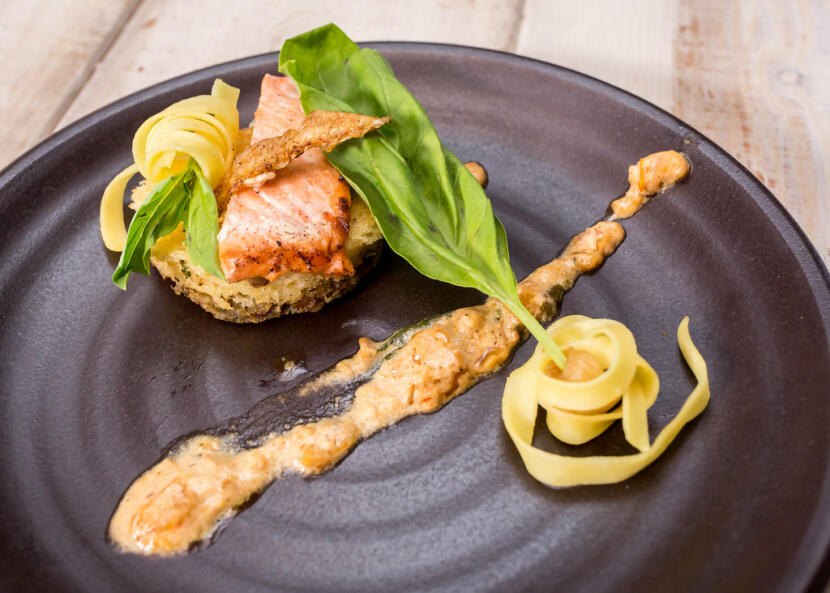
{"points": [[753, 75], [49, 50]]}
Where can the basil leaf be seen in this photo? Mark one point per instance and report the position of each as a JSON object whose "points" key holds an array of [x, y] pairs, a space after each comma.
{"points": [[430, 209], [202, 226], [159, 215], [185, 198]]}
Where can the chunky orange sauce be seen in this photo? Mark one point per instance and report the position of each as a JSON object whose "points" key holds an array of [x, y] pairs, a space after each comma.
{"points": [[579, 366], [651, 175], [182, 499]]}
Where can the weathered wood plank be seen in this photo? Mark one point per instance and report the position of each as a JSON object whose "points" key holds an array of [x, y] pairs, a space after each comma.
{"points": [[755, 77], [49, 48], [626, 44], [165, 39]]}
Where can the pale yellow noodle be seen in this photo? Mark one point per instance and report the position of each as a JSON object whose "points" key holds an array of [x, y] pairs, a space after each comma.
{"points": [[203, 128], [529, 386]]}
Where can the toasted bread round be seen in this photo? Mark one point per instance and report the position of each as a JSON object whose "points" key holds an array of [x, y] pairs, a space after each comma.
{"points": [[251, 301]]}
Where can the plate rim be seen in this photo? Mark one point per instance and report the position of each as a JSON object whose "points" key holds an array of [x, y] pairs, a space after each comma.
{"points": [[813, 557]]}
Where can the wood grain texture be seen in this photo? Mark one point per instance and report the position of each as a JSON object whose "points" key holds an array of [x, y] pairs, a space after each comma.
{"points": [[752, 75], [755, 77], [628, 44], [48, 49], [165, 39]]}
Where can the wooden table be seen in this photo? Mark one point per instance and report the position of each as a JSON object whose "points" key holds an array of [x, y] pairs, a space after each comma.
{"points": [[752, 75]]}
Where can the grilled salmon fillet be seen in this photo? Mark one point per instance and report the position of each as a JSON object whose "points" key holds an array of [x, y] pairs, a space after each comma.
{"points": [[296, 222]]}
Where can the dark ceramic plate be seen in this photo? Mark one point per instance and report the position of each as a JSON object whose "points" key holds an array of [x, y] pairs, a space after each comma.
{"points": [[95, 381]]}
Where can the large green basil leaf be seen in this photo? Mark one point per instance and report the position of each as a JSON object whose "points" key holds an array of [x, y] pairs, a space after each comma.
{"points": [[430, 209]]}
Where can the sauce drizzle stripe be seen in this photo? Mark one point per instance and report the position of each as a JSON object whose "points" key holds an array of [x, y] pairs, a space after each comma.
{"points": [[204, 479]]}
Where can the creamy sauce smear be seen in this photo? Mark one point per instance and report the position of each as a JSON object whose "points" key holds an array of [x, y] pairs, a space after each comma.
{"points": [[183, 498]]}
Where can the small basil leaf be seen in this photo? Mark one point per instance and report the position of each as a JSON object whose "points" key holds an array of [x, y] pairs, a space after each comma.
{"points": [[202, 226], [185, 198], [158, 215]]}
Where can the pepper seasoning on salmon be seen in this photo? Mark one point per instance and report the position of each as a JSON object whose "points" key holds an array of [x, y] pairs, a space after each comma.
{"points": [[296, 222]]}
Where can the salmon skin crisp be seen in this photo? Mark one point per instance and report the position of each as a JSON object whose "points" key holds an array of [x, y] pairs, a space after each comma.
{"points": [[296, 222]]}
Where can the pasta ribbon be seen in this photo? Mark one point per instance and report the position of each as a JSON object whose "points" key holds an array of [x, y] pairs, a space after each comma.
{"points": [[202, 127], [579, 411]]}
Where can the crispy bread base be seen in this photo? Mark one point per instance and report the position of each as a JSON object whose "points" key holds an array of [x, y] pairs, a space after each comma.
{"points": [[252, 302]]}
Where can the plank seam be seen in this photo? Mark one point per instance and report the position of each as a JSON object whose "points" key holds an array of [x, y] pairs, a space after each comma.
{"points": [[513, 38], [80, 81]]}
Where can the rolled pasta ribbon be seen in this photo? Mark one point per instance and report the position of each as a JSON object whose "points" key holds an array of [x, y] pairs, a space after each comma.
{"points": [[113, 230], [203, 128], [579, 411], [529, 386]]}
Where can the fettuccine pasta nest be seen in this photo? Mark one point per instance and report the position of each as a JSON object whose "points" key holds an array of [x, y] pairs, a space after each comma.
{"points": [[203, 128], [578, 411]]}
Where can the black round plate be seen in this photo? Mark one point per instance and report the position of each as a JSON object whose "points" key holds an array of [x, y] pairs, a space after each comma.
{"points": [[95, 381]]}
